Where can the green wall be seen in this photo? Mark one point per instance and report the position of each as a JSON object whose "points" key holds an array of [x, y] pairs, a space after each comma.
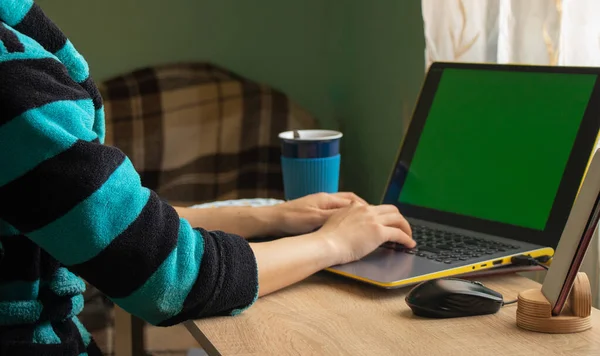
{"points": [[380, 67], [356, 65]]}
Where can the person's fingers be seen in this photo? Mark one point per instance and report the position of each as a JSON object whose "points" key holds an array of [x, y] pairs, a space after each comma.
{"points": [[327, 213], [333, 201], [395, 220], [397, 235], [351, 196], [392, 209], [386, 209]]}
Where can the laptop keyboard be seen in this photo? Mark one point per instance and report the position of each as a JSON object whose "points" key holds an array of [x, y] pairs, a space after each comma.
{"points": [[448, 247]]}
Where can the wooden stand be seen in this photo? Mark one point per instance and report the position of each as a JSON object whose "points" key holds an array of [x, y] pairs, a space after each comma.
{"points": [[534, 311]]}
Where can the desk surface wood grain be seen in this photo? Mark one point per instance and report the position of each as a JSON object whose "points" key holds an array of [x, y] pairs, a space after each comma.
{"points": [[327, 315]]}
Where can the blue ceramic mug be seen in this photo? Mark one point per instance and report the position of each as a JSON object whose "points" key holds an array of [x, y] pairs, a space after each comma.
{"points": [[310, 161]]}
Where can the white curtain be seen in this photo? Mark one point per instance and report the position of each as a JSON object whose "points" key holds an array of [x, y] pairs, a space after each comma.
{"points": [[549, 32], [545, 32]]}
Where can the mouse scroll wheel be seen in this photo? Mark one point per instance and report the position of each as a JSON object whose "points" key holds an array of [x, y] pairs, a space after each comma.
{"points": [[478, 283]]}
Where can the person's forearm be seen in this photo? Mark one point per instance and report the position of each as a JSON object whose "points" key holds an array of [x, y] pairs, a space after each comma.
{"points": [[244, 221], [289, 260]]}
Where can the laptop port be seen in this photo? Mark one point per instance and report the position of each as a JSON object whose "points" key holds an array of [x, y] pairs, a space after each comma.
{"points": [[497, 262]]}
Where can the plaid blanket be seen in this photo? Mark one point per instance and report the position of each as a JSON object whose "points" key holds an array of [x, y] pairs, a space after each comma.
{"points": [[197, 133]]}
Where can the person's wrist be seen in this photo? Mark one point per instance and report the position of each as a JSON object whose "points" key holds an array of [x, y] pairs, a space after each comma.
{"points": [[329, 253], [269, 220]]}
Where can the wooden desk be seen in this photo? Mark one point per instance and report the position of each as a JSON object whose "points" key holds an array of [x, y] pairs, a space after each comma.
{"points": [[326, 315]]}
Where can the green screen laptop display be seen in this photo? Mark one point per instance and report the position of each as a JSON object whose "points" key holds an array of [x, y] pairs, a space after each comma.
{"points": [[495, 144]]}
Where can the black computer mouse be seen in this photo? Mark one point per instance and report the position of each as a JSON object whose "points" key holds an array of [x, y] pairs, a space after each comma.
{"points": [[453, 297]]}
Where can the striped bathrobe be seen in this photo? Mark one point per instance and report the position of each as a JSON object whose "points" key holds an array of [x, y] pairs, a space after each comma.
{"points": [[73, 208]]}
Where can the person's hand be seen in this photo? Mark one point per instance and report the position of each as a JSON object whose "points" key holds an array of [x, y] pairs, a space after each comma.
{"points": [[306, 214], [359, 229], [350, 233]]}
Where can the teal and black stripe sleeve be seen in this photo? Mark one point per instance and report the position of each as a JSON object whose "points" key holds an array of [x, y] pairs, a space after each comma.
{"points": [[27, 18], [84, 204]]}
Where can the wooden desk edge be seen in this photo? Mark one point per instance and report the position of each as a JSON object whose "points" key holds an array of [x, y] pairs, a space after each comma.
{"points": [[204, 342]]}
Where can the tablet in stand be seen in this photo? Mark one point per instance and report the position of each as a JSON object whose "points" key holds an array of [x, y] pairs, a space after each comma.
{"points": [[564, 303]]}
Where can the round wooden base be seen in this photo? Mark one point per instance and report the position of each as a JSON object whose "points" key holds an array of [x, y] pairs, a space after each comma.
{"points": [[534, 311]]}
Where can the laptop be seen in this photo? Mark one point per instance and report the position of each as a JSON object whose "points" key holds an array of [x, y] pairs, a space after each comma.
{"points": [[489, 169]]}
